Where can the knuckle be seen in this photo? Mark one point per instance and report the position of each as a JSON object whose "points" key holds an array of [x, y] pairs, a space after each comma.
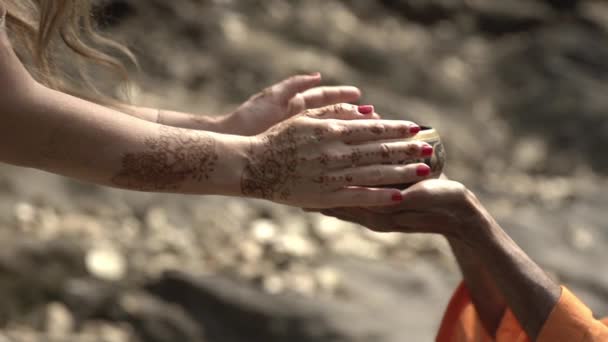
{"points": [[335, 108], [310, 113], [342, 107], [385, 150], [335, 128], [377, 128], [347, 107], [412, 150]]}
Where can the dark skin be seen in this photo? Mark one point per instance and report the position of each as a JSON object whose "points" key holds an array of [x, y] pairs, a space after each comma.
{"points": [[497, 272]]}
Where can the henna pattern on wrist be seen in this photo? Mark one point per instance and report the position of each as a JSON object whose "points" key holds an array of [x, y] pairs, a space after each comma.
{"points": [[271, 172], [173, 157]]}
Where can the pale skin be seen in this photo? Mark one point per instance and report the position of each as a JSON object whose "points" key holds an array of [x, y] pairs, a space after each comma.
{"points": [[313, 157], [497, 272]]}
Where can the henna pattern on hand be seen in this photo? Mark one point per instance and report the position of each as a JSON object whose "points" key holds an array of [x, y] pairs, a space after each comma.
{"points": [[355, 157], [271, 172], [175, 156]]}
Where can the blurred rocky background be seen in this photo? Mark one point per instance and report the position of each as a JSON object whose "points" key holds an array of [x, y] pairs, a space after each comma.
{"points": [[517, 89]]}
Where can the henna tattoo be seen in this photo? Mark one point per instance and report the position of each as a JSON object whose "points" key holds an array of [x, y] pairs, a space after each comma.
{"points": [[175, 156], [377, 130], [355, 157], [271, 172], [324, 159], [319, 134], [346, 132]]}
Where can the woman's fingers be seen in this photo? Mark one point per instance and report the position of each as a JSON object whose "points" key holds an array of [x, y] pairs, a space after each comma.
{"points": [[290, 87], [377, 175], [341, 111], [394, 152], [348, 123], [361, 131], [325, 96], [361, 197]]}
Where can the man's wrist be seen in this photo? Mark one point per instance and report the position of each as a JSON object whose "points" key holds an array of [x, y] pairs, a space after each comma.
{"points": [[476, 224]]}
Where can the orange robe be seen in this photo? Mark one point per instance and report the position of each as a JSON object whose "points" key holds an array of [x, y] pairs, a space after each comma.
{"points": [[570, 321]]}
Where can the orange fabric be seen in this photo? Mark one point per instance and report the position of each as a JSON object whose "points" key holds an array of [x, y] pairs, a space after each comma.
{"points": [[570, 321]]}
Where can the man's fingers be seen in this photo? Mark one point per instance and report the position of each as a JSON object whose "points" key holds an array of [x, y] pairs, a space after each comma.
{"points": [[377, 175], [362, 216], [288, 88], [361, 197], [325, 96]]}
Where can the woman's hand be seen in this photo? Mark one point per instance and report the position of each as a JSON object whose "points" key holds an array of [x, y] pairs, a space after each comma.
{"points": [[431, 206], [332, 157], [285, 99]]}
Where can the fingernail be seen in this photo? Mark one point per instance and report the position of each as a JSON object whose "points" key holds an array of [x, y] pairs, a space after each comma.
{"points": [[397, 197], [427, 151], [414, 129], [366, 110], [315, 74], [423, 170]]}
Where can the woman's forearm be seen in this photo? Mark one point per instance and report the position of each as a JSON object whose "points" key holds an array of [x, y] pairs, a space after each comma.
{"points": [[528, 291], [487, 298], [218, 124], [69, 136]]}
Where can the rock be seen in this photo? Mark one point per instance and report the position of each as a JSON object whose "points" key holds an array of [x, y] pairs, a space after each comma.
{"points": [[106, 263], [241, 312]]}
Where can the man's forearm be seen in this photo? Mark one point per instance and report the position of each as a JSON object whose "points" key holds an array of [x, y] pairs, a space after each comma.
{"points": [[66, 135], [487, 298], [527, 289]]}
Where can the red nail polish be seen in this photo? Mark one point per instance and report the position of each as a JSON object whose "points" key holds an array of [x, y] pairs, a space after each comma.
{"points": [[398, 197], [414, 129], [366, 110], [427, 151], [423, 170]]}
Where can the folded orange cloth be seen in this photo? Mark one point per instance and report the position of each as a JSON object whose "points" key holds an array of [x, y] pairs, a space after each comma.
{"points": [[570, 321]]}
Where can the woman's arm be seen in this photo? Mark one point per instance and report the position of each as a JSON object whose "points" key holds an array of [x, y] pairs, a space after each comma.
{"points": [[314, 159], [56, 132], [52, 131], [260, 112], [172, 118]]}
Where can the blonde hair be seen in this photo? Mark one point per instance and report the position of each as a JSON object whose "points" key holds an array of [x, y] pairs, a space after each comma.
{"points": [[48, 34]]}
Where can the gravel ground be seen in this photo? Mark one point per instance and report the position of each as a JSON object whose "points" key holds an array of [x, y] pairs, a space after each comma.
{"points": [[517, 90]]}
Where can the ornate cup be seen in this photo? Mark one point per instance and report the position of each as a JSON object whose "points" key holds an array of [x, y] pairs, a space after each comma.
{"points": [[436, 161]]}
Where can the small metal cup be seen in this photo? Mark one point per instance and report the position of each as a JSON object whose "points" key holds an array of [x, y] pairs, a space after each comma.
{"points": [[436, 161]]}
